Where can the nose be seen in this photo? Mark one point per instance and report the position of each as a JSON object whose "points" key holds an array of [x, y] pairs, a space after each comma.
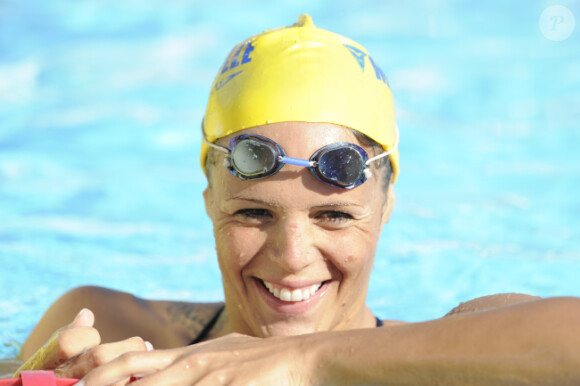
{"points": [[293, 247]]}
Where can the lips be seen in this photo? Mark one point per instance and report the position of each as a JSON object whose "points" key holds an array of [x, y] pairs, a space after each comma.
{"points": [[292, 294]]}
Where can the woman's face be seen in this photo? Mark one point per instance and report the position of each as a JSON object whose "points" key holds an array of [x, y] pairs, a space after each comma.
{"points": [[296, 254]]}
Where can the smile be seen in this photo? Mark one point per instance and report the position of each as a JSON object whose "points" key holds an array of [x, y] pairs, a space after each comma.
{"points": [[292, 294]]}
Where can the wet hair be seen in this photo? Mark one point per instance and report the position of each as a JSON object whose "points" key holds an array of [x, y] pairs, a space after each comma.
{"points": [[211, 160], [382, 165]]}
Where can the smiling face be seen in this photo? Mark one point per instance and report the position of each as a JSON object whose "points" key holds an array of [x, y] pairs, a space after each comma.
{"points": [[296, 254]]}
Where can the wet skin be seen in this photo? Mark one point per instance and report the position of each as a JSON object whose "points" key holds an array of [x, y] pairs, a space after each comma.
{"points": [[292, 231]]}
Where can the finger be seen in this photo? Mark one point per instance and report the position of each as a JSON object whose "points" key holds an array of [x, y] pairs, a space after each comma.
{"points": [[107, 352], [132, 364], [64, 346], [79, 366], [85, 318], [177, 374], [74, 341], [65, 343], [190, 370]]}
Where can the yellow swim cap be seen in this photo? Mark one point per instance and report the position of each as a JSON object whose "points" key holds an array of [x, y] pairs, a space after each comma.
{"points": [[301, 73]]}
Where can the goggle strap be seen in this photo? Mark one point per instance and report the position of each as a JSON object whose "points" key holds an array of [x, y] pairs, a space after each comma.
{"points": [[297, 161], [218, 147], [382, 155], [386, 153]]}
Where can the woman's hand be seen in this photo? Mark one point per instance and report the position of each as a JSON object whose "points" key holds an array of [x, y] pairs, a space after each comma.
{"points": [[74, 350], [65, 344], [232, 359]]}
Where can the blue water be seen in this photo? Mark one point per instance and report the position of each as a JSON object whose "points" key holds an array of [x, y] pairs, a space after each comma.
{"points": [[100, 106]]}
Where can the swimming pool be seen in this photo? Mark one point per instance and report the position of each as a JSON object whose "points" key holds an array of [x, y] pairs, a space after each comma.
{"points": [[100, 105]]}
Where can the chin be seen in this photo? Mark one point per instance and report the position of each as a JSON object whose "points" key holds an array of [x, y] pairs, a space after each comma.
{"points": [[287, 329]]}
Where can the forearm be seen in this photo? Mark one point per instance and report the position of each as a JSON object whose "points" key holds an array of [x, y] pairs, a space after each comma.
{"points": [[533, 343]]}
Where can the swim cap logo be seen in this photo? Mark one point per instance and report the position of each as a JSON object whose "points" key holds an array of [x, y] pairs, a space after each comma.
{"points": [[360, 56], [222, 82], [233, 61]]}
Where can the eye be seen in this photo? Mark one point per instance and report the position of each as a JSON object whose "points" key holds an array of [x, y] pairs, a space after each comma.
{"points": [[334, 216], [254, 213]]}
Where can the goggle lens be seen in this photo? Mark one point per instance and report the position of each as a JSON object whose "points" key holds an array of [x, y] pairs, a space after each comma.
{"points": [[341, 166], [252, 158]]}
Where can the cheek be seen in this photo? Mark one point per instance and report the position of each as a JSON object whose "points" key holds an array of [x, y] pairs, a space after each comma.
{"points": [[356, 264], [237, 246], [352, 256]]}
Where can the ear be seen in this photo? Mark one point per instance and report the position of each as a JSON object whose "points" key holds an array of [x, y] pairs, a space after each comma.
{"points": [[207, 200], [388, 204]]}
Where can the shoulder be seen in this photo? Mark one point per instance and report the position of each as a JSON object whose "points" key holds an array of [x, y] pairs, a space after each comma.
{"points": [[62, 312], [490, 302], [165, 323], [121, 315], [555, 306], [390, 323], [186, 319]]}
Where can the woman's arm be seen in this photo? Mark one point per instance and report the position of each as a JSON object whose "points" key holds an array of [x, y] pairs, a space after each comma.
{"points": [[535, 342]]}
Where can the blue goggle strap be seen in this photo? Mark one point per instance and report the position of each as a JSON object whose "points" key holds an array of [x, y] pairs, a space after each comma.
{"points": [[297, 161]]}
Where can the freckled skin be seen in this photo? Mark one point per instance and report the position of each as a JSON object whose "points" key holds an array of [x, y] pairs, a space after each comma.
{"points": [[290, 226]]}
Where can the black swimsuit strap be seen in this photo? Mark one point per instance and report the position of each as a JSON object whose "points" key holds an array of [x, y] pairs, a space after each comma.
{"points": [[203, 334]]}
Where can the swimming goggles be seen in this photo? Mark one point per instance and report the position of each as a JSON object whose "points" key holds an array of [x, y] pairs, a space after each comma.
{"points": [[344, 165]]}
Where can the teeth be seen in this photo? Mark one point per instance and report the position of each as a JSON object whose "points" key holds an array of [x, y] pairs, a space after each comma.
{"points": [[288, 295], [285, 295]]}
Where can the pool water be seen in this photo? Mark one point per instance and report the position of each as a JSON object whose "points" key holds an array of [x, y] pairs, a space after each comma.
{"points": [[100, 108]]}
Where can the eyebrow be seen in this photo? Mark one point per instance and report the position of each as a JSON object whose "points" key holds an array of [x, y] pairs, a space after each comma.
{"points": [[275, 203], [271, 203]]}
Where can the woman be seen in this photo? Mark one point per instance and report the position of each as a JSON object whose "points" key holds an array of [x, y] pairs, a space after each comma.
{"points": [[300, 151]]}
